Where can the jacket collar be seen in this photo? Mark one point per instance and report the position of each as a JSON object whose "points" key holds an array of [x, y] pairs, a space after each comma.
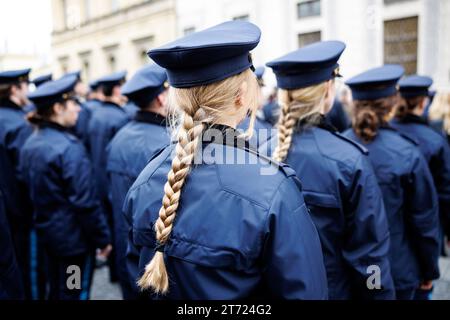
{"points": [[112, 105], [151, 117], [7, 103], [316, 120], [229, 137], [52, 125], [412, 118]]}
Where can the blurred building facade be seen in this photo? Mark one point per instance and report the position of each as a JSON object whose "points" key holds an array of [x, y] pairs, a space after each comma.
{"points": [[99, 36], [104, 36], [415, 33]]}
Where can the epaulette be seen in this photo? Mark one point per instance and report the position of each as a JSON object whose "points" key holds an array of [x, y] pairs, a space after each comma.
{"points": [[359, 146]]}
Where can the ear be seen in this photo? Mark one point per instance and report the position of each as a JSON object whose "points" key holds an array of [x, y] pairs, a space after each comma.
{"points": [[58, 108], [239, 101]]}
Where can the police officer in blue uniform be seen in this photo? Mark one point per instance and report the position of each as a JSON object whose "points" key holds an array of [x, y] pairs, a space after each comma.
{"points": [[11, 286], [81, 128], [131, 149], [221, 229], [406, 183], [105, 121], [415, 94], [59, 175], [339, 185], [337, 117], [14, 130], [262, 129]]}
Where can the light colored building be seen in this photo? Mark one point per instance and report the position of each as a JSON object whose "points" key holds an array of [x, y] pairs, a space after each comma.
{"points": [[104, 36], [415, 33]]}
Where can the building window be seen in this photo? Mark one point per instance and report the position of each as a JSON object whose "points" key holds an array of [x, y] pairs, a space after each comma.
{"points": [[64, 64], [87, 10], [65, 12], [307, 38], [308, 8], [85, 58], [114, 5], [143, 45], [243, 17], [188, 30], [112, 63], [401, 43], [388, 2]]}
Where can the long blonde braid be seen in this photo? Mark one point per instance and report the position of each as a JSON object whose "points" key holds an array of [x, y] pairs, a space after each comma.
{"points": [[197, 106], [296, 105]]}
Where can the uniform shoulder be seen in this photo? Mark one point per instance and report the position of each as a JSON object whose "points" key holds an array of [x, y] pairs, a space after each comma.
{"points": [[396, 134], [256, 181], [339, 147]]}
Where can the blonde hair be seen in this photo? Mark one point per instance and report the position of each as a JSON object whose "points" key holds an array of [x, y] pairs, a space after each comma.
{"points": [[196, 107], [440, 110], [295, 106]]}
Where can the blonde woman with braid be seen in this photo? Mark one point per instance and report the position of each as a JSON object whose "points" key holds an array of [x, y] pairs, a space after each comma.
{"points": [[204, 228], [339, 185]]}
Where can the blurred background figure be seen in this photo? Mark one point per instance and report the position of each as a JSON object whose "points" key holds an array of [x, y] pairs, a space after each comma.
{"points": [[60, 179], [440, 114], [129, 152]]}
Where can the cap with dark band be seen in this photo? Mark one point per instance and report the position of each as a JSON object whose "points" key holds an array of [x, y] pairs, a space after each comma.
{"points": [[112, 79], [415, 86], [147, 83], [42, 79], [14, 76], [376, 83], [54, 91], [208, 56], [307, 66]]}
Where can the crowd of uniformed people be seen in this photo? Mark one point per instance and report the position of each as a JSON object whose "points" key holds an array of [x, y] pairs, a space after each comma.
{"points": [[131, 174]]}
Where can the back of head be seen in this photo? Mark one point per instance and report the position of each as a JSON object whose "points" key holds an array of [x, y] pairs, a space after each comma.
{"points": [[370, 115], [302, 77], [209, 72], [375, 96]]}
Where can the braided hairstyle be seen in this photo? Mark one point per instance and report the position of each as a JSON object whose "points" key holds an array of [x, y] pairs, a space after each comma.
{"points": [[370, 115], [196, 106], [295, 106]]}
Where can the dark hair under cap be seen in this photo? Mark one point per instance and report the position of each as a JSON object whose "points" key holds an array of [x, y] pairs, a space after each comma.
{"points": [[208, 56]]}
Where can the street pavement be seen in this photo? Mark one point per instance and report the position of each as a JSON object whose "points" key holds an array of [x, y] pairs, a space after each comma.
{"points": [[103, 289]]}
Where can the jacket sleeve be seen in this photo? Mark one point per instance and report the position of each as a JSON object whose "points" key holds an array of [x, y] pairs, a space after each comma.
{"points": [[133, 251], [440, 166], [78, 178], [423, 215], [292, 257], [366, 237]]}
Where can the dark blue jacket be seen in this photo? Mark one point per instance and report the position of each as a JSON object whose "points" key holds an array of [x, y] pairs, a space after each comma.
{"points": [[436, 151], [59, 175], [411, 204], [128, 154], [130, 151], [338, 117], [239, 233], [346, 205], [81, 127], [105, 122], [14, 130], [11, 287], [262, 131], [131, 109], [271, 112]]}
